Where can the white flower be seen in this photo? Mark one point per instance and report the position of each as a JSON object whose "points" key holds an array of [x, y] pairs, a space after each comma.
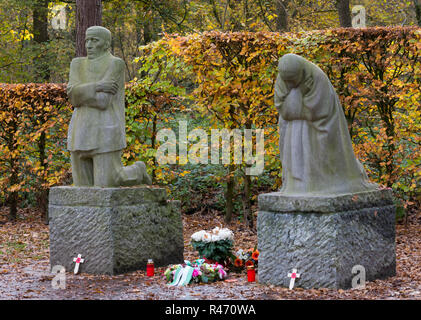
{"points": [[241, 254], [217, 234], [215, 230], [198, 236], [226, 234], [215, 238], [207, 237]]}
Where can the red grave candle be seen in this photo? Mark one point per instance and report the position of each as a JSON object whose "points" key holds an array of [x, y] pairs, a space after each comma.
{"points": [[150, 269], [251, 274]]}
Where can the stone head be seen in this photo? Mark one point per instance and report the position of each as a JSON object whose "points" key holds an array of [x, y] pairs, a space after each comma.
{"points": [[291, 69], [97, 41]]}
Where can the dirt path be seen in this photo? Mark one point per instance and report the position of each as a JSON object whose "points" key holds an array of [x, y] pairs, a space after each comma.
{"points": [[25, 272]]}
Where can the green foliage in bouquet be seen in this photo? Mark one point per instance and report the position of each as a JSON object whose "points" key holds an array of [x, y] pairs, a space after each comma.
{"points": [[215, 245], [219, 251]]}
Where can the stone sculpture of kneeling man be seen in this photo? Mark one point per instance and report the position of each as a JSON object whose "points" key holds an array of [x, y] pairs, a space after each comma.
{"points": [[96, 135]]}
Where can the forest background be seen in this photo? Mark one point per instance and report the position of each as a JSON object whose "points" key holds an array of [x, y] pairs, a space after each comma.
{"points": [[212, 64]]}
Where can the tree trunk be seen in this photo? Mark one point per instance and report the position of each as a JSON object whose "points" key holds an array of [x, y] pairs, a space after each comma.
{"points": [[147, 32], [88, 13], [247, 214], [12, 199], [154, 132], [248, 218], [344, 13], [282, 19], [417, 5], [229, 195], [42, 193], [40, 31], [12, 202]]}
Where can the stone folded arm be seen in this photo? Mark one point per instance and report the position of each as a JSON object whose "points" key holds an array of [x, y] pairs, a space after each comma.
{"points": [[86, 94]]}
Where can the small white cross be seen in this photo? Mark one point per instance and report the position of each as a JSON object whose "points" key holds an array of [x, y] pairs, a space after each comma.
{"points": [[293, 275], [78, 261]]}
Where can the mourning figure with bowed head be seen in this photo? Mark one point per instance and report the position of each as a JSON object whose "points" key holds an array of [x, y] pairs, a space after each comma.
{"points": [[96, 135], [315, 145]]}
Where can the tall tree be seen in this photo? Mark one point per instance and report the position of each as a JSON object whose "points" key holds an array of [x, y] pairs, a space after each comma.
{"points": [[344, 13], [88, 13], [417, 5], [282, 15], [40, 31], [41, 74]]}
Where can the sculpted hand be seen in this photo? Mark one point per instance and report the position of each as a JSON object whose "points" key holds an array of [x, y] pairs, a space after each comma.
{"points": [[308, 84], [107, 87]]}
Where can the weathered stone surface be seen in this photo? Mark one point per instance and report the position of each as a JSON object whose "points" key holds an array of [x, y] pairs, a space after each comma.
{"points": [[105, 197], [115, 229], [279, 202], [325, 245]]}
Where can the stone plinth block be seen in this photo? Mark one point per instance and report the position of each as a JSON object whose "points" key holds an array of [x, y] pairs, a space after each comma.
{"points": [[114, 229], [324, 237]]}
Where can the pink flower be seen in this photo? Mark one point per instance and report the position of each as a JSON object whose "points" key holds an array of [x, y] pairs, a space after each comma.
{"points": [[196, 272], [222, 273]]}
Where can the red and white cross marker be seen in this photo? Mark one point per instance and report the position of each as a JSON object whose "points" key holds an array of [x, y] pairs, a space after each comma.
{"points": [[293, 275], [78, 261]]}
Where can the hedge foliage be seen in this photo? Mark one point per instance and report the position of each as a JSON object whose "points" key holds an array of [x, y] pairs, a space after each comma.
{"points": [[33, 126], [34, 120], [376, 73]]}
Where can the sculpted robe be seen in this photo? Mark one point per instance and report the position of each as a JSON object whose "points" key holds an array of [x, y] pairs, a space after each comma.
{"points": [[98, 121], [315, 146]]}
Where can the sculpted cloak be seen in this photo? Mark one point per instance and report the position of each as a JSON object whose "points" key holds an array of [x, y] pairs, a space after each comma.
{"points": [[315, 145]]}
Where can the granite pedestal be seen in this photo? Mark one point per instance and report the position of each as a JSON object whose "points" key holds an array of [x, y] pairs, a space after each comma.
{"points": [[116, 230], [324, 237]]}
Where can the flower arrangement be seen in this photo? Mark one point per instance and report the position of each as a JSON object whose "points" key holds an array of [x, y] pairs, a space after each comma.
{"points": [[215, 245], [196, 272], [244, 259]]}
